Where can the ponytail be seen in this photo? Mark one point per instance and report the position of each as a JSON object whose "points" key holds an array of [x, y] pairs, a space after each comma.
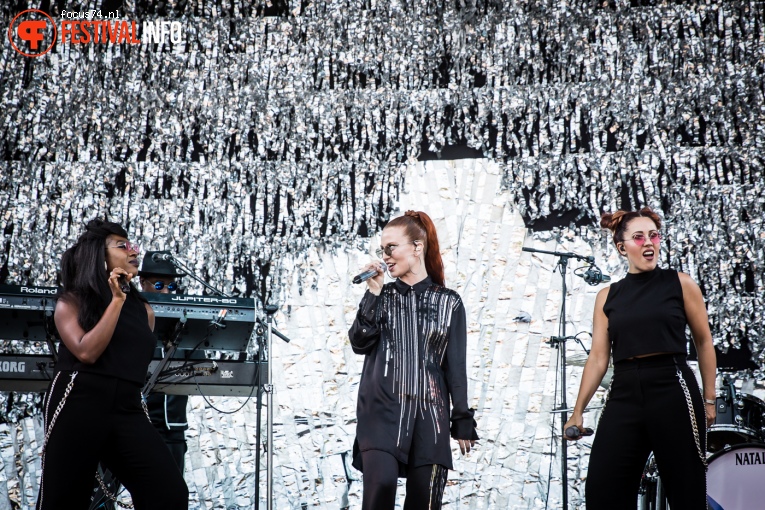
{"points": [[418, 226]]}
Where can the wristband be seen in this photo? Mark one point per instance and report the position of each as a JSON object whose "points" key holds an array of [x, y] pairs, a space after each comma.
{"points": [[709, 401]]}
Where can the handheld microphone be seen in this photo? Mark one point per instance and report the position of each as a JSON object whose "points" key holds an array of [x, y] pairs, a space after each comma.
{"points": [[366, 275], [574, 432], [156, 257], [124, 285]]}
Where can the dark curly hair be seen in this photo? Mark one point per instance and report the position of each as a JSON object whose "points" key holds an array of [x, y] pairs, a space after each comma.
{"points": [[84, 281]]}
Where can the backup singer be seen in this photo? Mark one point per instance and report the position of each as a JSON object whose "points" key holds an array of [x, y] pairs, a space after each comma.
{"points": [[93, 410], [413, 333], [654, 403]]}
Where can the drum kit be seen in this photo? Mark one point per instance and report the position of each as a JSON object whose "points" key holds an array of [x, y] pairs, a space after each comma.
{"points": [[735, 456]]}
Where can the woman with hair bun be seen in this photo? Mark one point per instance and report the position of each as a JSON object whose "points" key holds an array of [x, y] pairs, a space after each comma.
{"points": [[654, 403], [93, 410], [413, 334]]}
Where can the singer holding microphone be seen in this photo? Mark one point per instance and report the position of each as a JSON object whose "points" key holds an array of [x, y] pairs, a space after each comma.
{"points": [[654, 402], [93, 410], [413, 334]]}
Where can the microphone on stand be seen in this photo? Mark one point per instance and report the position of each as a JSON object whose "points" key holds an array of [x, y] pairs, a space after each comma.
{"points": [[594, 276], [366, 275], [156, 257]]}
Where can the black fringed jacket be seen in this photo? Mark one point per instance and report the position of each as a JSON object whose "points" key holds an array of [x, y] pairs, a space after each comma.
{"points": [[414, 339]]}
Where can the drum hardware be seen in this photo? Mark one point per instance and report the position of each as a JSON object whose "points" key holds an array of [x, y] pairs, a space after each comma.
{"points": [[740, 418], [736, 442]]}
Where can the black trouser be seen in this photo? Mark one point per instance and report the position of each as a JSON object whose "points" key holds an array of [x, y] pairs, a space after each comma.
{"points": [[176, 443], [175, 440], [424, 484], [647, 410], [102, 420]]}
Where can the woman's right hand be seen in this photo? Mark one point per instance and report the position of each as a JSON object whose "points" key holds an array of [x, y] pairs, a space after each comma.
{"points": [[575, 420], [114, 282], [375, 284]]}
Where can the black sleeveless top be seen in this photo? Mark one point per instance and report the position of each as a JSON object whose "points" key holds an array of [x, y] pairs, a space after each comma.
{"points": [[646, 314], [129, 352]]}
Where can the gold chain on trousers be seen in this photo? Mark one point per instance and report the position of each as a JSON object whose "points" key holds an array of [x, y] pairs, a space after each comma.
{"points": [[692, 415], [109, 495], [145, 408], [52, 422]]}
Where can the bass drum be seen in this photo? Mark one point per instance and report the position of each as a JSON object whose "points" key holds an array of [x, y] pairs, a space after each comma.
{"points": [[735, 478], [740, 419]]}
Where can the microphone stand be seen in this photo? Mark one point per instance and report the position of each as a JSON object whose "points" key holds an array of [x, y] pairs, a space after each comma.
{"points": [[268, 388], [559, 343]]}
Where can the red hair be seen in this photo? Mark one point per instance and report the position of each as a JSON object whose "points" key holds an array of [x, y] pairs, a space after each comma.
{"points": [[419, 227], [617, 222]]}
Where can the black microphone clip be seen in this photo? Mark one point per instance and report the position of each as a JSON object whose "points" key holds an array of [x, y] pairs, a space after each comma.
{"points": [[594, 276], [157, 257]]}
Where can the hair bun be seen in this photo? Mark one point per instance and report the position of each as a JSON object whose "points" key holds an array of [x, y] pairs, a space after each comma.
{"points": [[611, 221], [413, 214], [94, 225]]}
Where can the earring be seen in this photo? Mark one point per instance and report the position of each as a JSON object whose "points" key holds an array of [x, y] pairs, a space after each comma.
{"points": [[106, 266]]}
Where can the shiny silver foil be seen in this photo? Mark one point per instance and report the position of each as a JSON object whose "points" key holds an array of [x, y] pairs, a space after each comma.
{"points": [[263, 152]]}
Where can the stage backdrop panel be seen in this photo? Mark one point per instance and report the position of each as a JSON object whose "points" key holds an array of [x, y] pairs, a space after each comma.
{"points": [[278, 137], [512, 300]]}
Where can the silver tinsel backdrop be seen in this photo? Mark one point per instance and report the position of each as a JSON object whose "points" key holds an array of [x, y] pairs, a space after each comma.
{"points": [[260, 139]]}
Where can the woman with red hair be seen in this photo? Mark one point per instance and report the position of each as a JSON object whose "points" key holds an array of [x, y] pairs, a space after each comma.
{"points": [[412, 332], [654, 402]]}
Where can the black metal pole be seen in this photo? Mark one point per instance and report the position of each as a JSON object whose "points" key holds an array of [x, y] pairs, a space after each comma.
{"points": [[270, 310], [259, 407], [563, 264], [560, 343]]}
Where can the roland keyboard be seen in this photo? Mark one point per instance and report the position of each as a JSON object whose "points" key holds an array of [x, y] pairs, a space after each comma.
{"points": [[26, 313], [33, 373]]}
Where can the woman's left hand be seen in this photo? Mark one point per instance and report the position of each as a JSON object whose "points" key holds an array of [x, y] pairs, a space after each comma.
{"points": [[711, 413], [465, 445]]}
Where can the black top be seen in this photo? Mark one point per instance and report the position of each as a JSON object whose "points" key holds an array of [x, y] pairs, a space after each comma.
{"points": [[414, 339], [646, 314], [129, 351]]}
